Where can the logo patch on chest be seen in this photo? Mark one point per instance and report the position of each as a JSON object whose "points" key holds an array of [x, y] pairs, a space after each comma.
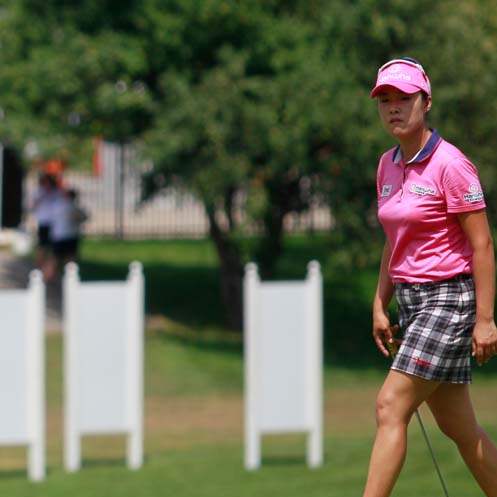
{"points": [[422, 190], [386, 190]]}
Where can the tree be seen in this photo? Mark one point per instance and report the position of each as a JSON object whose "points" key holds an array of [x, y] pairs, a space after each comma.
{"points": [[225, 96], [260, 103], [456, 42]]}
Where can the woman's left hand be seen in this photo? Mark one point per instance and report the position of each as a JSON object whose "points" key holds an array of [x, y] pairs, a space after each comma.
{"points": [[484, 341]]}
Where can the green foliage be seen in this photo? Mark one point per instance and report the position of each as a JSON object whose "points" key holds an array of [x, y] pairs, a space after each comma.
{"points": [[58, 78], [244, 93], [455, 41], [267, 97]]}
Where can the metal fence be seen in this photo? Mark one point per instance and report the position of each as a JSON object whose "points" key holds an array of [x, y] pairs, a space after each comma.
{"points": [[111, 197]]}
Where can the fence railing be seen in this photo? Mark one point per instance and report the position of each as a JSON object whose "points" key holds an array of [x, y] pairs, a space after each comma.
{"points": [[111, 197]]}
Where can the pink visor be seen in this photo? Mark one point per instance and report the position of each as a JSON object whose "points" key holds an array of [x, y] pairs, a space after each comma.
{"points": [[406, 76]]}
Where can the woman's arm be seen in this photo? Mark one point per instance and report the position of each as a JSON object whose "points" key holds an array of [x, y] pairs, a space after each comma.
{"points": [[475, 226], [382, 331]]}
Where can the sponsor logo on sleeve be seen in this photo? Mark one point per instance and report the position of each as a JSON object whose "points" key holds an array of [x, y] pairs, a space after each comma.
{"points": [[386, 190], [422, 190], [474, 194]]}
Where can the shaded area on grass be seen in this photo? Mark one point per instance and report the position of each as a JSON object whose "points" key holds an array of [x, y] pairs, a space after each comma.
{"points": [[182, 284], [181, 279], [189, 295]]}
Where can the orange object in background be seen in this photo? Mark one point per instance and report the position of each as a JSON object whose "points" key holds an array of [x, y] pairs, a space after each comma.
{"points": [[97, 156], [55, 168]]}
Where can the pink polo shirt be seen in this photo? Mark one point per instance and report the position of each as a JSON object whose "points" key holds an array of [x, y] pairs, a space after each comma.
{"points": [[418, 203]]}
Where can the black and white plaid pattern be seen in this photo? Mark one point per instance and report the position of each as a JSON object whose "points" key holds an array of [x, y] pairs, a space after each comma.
{"points": [[437, 321]]}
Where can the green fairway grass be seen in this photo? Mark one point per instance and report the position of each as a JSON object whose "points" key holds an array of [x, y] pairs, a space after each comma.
{"points": [[194, 394], [194, 437]]}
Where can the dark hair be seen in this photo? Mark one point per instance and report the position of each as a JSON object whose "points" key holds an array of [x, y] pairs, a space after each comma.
{"points": [[48, 180], [72, 193], [416, 61], [411, 59]]}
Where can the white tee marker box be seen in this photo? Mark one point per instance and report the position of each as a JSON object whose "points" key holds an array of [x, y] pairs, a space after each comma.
{"points": [[283, 361], [103, 362], [22, 372]]}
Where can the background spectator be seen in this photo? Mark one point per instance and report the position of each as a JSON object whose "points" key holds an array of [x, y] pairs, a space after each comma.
{"points": [[68, 216], [43, 210]]}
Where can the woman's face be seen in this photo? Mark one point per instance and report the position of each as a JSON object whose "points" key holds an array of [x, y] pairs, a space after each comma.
{"points": [[403, 114]]}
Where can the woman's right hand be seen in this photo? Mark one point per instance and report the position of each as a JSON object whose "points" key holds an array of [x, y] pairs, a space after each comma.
{"points": [[383, 332]]}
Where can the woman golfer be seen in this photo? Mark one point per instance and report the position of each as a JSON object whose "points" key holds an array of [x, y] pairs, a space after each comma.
{"points": [[438, 260]]}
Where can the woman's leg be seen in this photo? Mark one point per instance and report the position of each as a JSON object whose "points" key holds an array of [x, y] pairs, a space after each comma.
{"points": [[451, 405], [399, 397]]}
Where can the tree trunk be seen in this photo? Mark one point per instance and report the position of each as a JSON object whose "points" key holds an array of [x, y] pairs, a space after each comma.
{"points": [[271, 245], [283, 198], [231, 274]]}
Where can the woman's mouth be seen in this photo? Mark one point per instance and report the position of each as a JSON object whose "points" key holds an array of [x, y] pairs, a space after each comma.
{"points": [[395, 120]]}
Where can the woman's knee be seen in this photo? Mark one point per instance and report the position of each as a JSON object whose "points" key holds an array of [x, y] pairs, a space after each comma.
{"points": [[390, 410]]}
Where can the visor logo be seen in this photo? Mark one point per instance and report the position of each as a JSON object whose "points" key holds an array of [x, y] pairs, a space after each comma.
{"points": [[394, 77]]}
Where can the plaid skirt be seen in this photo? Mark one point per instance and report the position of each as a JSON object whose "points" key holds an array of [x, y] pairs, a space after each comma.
{"points": [[437, 321]]}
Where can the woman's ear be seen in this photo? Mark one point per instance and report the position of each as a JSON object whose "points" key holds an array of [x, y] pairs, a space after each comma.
{"points": [[427, 103]]}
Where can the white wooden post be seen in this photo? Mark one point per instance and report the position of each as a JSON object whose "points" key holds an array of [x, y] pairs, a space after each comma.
{"points": [[283, 361], [104, 328], [315, 362], [135, 371], [22, 372], [36, 372], [252, 435], [72, 443]]}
